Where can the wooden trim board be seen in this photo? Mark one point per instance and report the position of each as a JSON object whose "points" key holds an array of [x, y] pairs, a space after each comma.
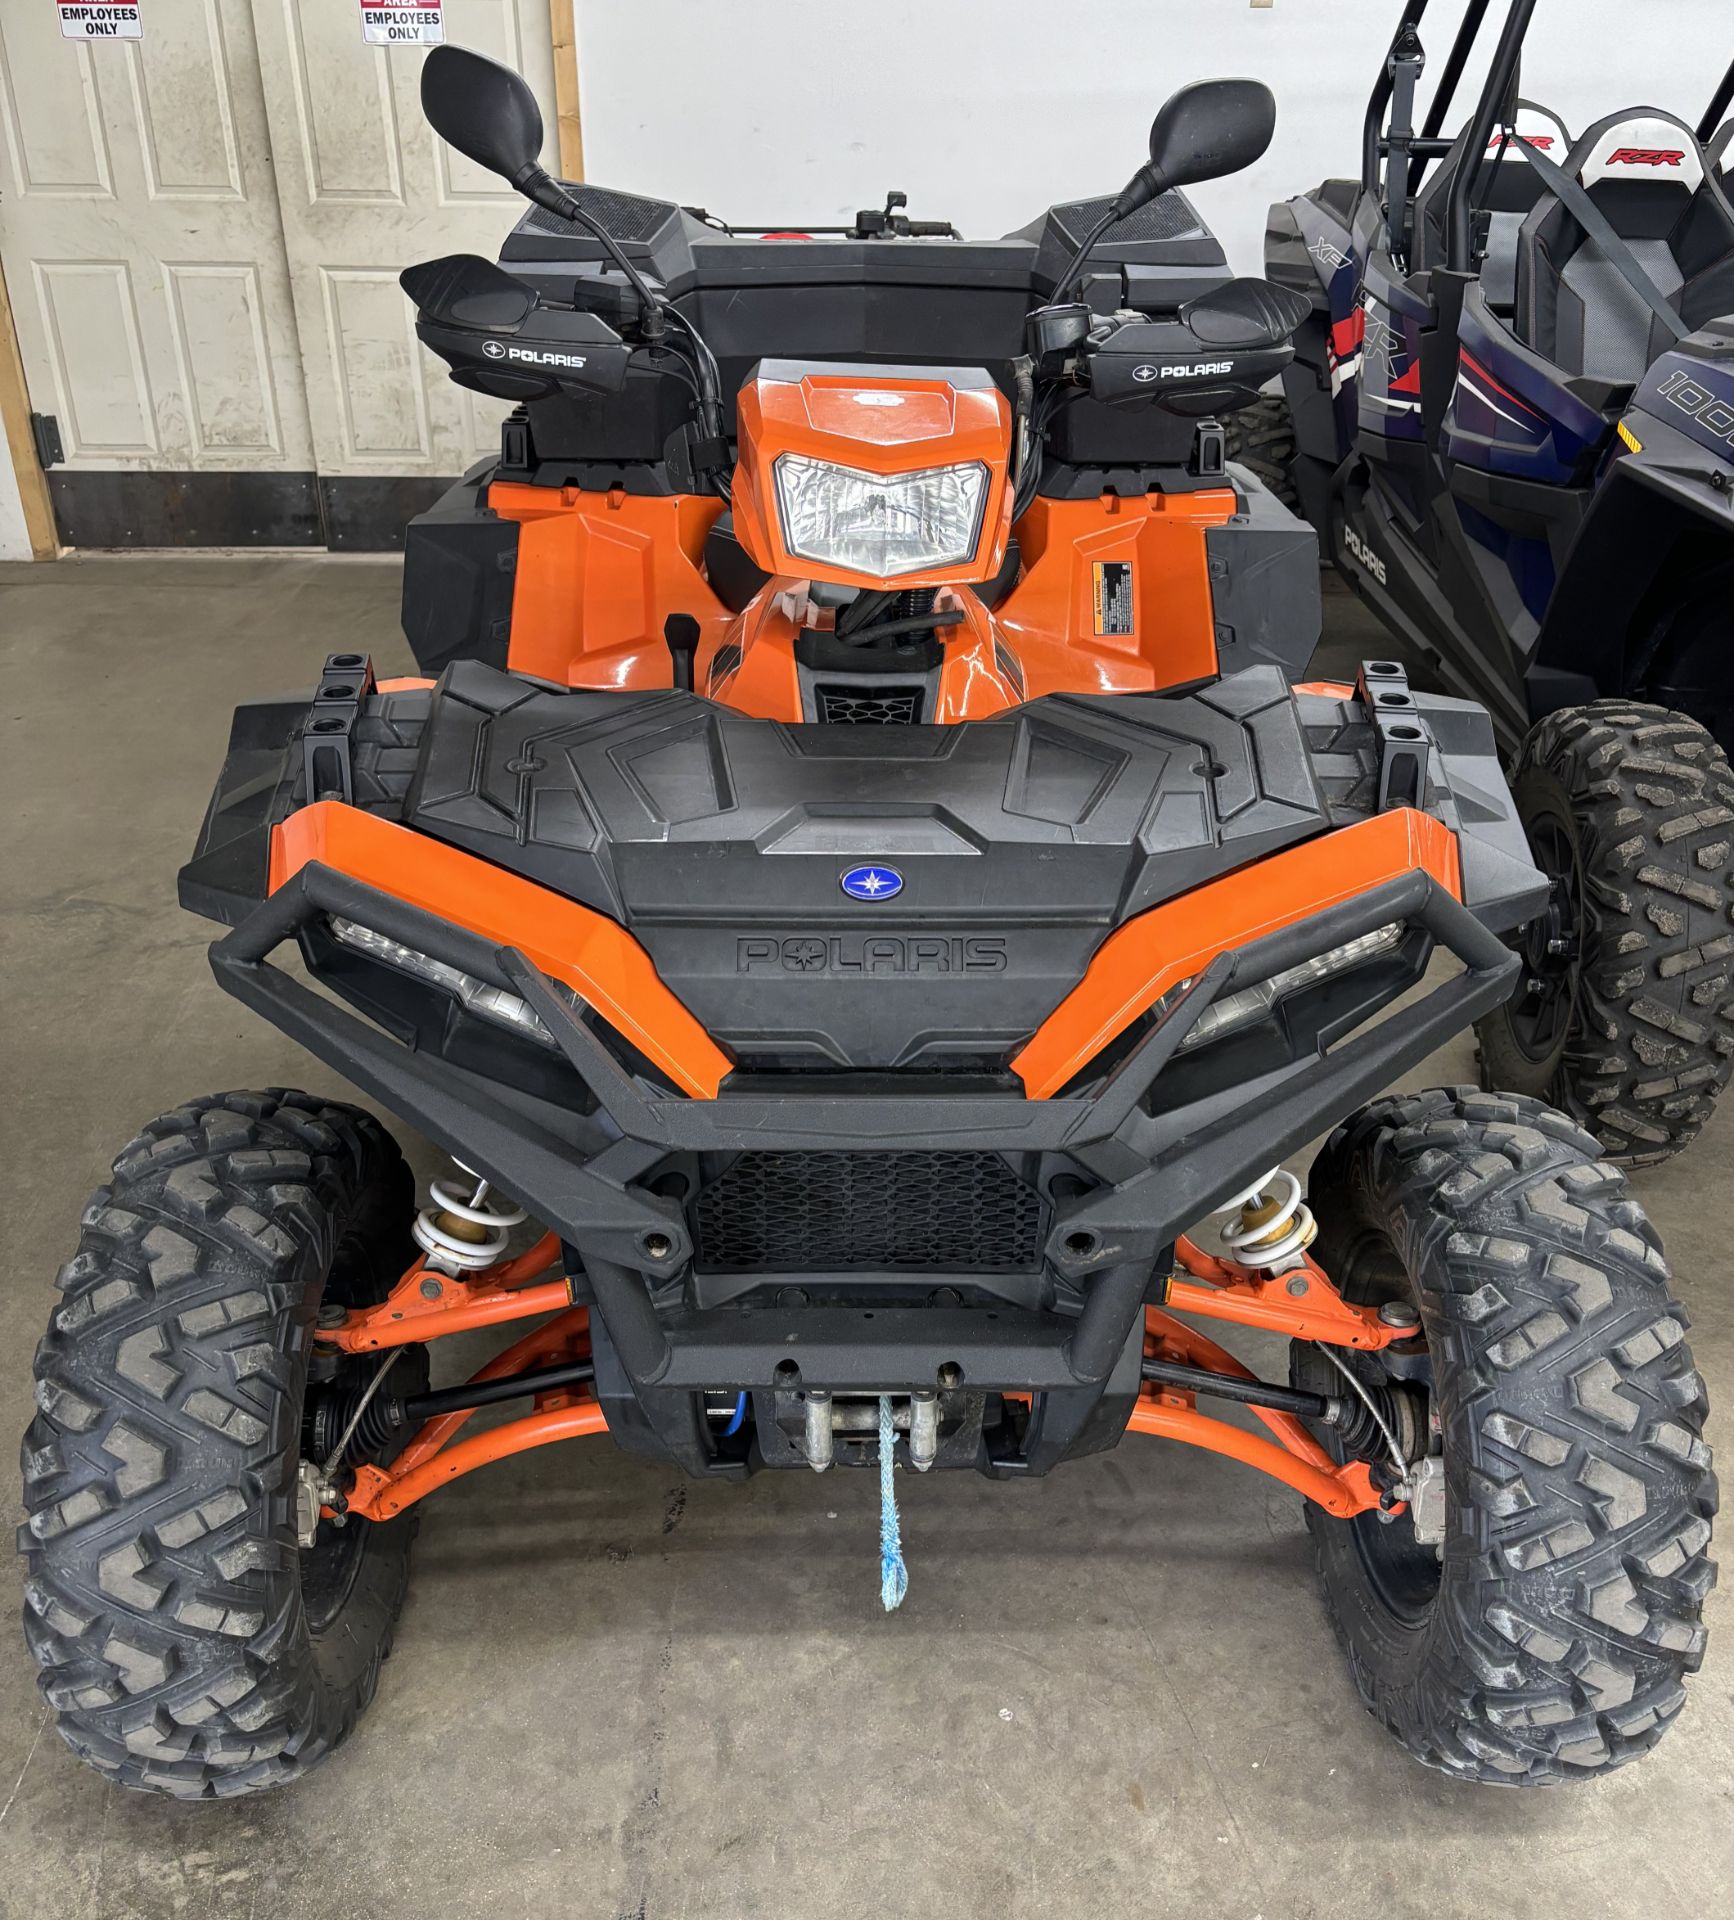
{"points": [[566, 107], [15, 412]]}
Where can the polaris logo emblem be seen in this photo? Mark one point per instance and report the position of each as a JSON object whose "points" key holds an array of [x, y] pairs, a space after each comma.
{"points": [[1363, 553], [1146, 370], [1646, 157], [531, 356], [871, 883], [887, 955]]}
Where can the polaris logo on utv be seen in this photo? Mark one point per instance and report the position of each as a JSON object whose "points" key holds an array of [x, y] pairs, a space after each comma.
{"points": [[1363, 553], [1147, 370], [1647, 157], [531, 356], [880, 954]]}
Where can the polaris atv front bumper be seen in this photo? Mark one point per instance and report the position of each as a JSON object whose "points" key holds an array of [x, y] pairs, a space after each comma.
{"points": [[981, 1246]]}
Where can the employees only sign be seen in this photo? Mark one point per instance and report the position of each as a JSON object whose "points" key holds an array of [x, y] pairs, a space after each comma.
{"points": [[99, 19], [402, 23]]}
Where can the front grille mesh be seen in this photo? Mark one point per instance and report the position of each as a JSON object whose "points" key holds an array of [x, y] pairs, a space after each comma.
{"points": [[832, 1212], [868, 706]]}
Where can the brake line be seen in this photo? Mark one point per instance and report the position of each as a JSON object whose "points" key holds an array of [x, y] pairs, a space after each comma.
{"points": [[1379, 1421]]}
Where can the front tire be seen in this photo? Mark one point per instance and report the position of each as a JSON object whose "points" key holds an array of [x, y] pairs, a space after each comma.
{"points": [[1624, 1014], [187, 1643], [1547, 1638]]}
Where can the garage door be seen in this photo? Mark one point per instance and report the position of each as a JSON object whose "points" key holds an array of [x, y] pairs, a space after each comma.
{"points": [[201, 231]]}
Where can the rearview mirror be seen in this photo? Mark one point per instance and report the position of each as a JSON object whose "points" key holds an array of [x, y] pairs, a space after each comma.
{"points": [[484, 110], [1211, 128]]}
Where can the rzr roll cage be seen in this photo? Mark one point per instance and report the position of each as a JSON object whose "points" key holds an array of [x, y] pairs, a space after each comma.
{"points": [[1409, 152]]}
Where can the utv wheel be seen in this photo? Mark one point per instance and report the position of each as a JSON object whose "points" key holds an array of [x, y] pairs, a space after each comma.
{"points": [[1261, 439], [187, 1643], [1624, 1013], [1547, 1638]]}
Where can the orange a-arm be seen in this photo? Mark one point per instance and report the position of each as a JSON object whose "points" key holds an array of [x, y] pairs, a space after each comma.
{"points": [[427, 1304]]}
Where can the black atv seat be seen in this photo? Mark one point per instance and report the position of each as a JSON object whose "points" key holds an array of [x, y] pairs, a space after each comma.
{"points": [[1505, 189], [1648, 176]]}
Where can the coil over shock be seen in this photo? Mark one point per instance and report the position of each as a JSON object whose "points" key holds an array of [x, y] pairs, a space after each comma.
{"points": [[1272, 1225], [463, 1235]]}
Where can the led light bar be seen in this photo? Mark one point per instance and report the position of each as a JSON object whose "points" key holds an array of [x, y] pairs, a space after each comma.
{"points": [[1246, 1004], [476, 996]]}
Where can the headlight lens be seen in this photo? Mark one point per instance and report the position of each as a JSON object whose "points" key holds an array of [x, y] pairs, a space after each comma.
{"points": [[487, 1003], [1241, 1008], [880, 524]]}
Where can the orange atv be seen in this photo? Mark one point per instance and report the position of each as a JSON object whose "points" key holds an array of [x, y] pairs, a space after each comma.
{"points": [[866, 884]]}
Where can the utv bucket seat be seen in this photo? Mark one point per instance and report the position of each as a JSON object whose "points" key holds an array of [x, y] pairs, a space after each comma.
{"points": [[1648, 176], [1505, 190]]}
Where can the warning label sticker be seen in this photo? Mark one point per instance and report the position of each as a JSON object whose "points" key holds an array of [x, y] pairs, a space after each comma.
{"points": [[83, 20], [399, 23], [1113, 596]]}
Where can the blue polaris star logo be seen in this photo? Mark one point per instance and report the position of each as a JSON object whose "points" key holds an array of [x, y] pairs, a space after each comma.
{"points": [[871, 883]]}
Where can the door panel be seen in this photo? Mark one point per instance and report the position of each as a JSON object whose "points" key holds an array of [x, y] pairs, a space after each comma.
{"points": [[366, 190], [142, 244]]}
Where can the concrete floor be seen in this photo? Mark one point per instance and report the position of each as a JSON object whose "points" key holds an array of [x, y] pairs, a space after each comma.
{"points": [[618, 1694]]}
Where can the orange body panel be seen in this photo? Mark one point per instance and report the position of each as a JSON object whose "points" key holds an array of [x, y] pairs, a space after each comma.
{"points": [[1053, 620], [595, 956], [1138, 963], [598, 574], [883, 427]]}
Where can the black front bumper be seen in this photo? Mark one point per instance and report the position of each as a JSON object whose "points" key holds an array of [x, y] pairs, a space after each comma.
{"points": [[1139, 1164]]}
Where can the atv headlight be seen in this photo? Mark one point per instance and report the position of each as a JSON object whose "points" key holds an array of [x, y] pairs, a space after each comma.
{"points": [[488, 1003], [1247, 1004], [880, 524]]}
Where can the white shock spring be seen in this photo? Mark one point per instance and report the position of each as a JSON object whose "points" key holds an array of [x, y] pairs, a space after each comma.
{"points": [[1271, 1225], [467, 1227]]}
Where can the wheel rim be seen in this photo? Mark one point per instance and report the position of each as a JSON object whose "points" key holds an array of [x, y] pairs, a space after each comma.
{"points": [[1400, 1570], [1543, 1010], [329, 1566], [1403, 1574]]}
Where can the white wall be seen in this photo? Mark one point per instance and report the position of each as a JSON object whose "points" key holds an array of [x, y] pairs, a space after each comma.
{"points": [[987, 111]]}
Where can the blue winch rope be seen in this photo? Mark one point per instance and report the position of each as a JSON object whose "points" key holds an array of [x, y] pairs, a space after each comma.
{"points": [[893, 1574]]}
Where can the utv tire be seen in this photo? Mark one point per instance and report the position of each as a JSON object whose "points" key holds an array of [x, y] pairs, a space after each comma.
{"points": [[1638, 803], [186, 1643], [1548, 1637], [1261, 439]]}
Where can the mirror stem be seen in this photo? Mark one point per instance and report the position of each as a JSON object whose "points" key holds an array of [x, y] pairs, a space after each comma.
{"points": [[1139, 191], [1142, 188], [535, 183]]}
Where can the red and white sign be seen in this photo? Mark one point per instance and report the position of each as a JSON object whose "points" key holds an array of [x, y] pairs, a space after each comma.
{"points": [[402, 23], [99, 19]]}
